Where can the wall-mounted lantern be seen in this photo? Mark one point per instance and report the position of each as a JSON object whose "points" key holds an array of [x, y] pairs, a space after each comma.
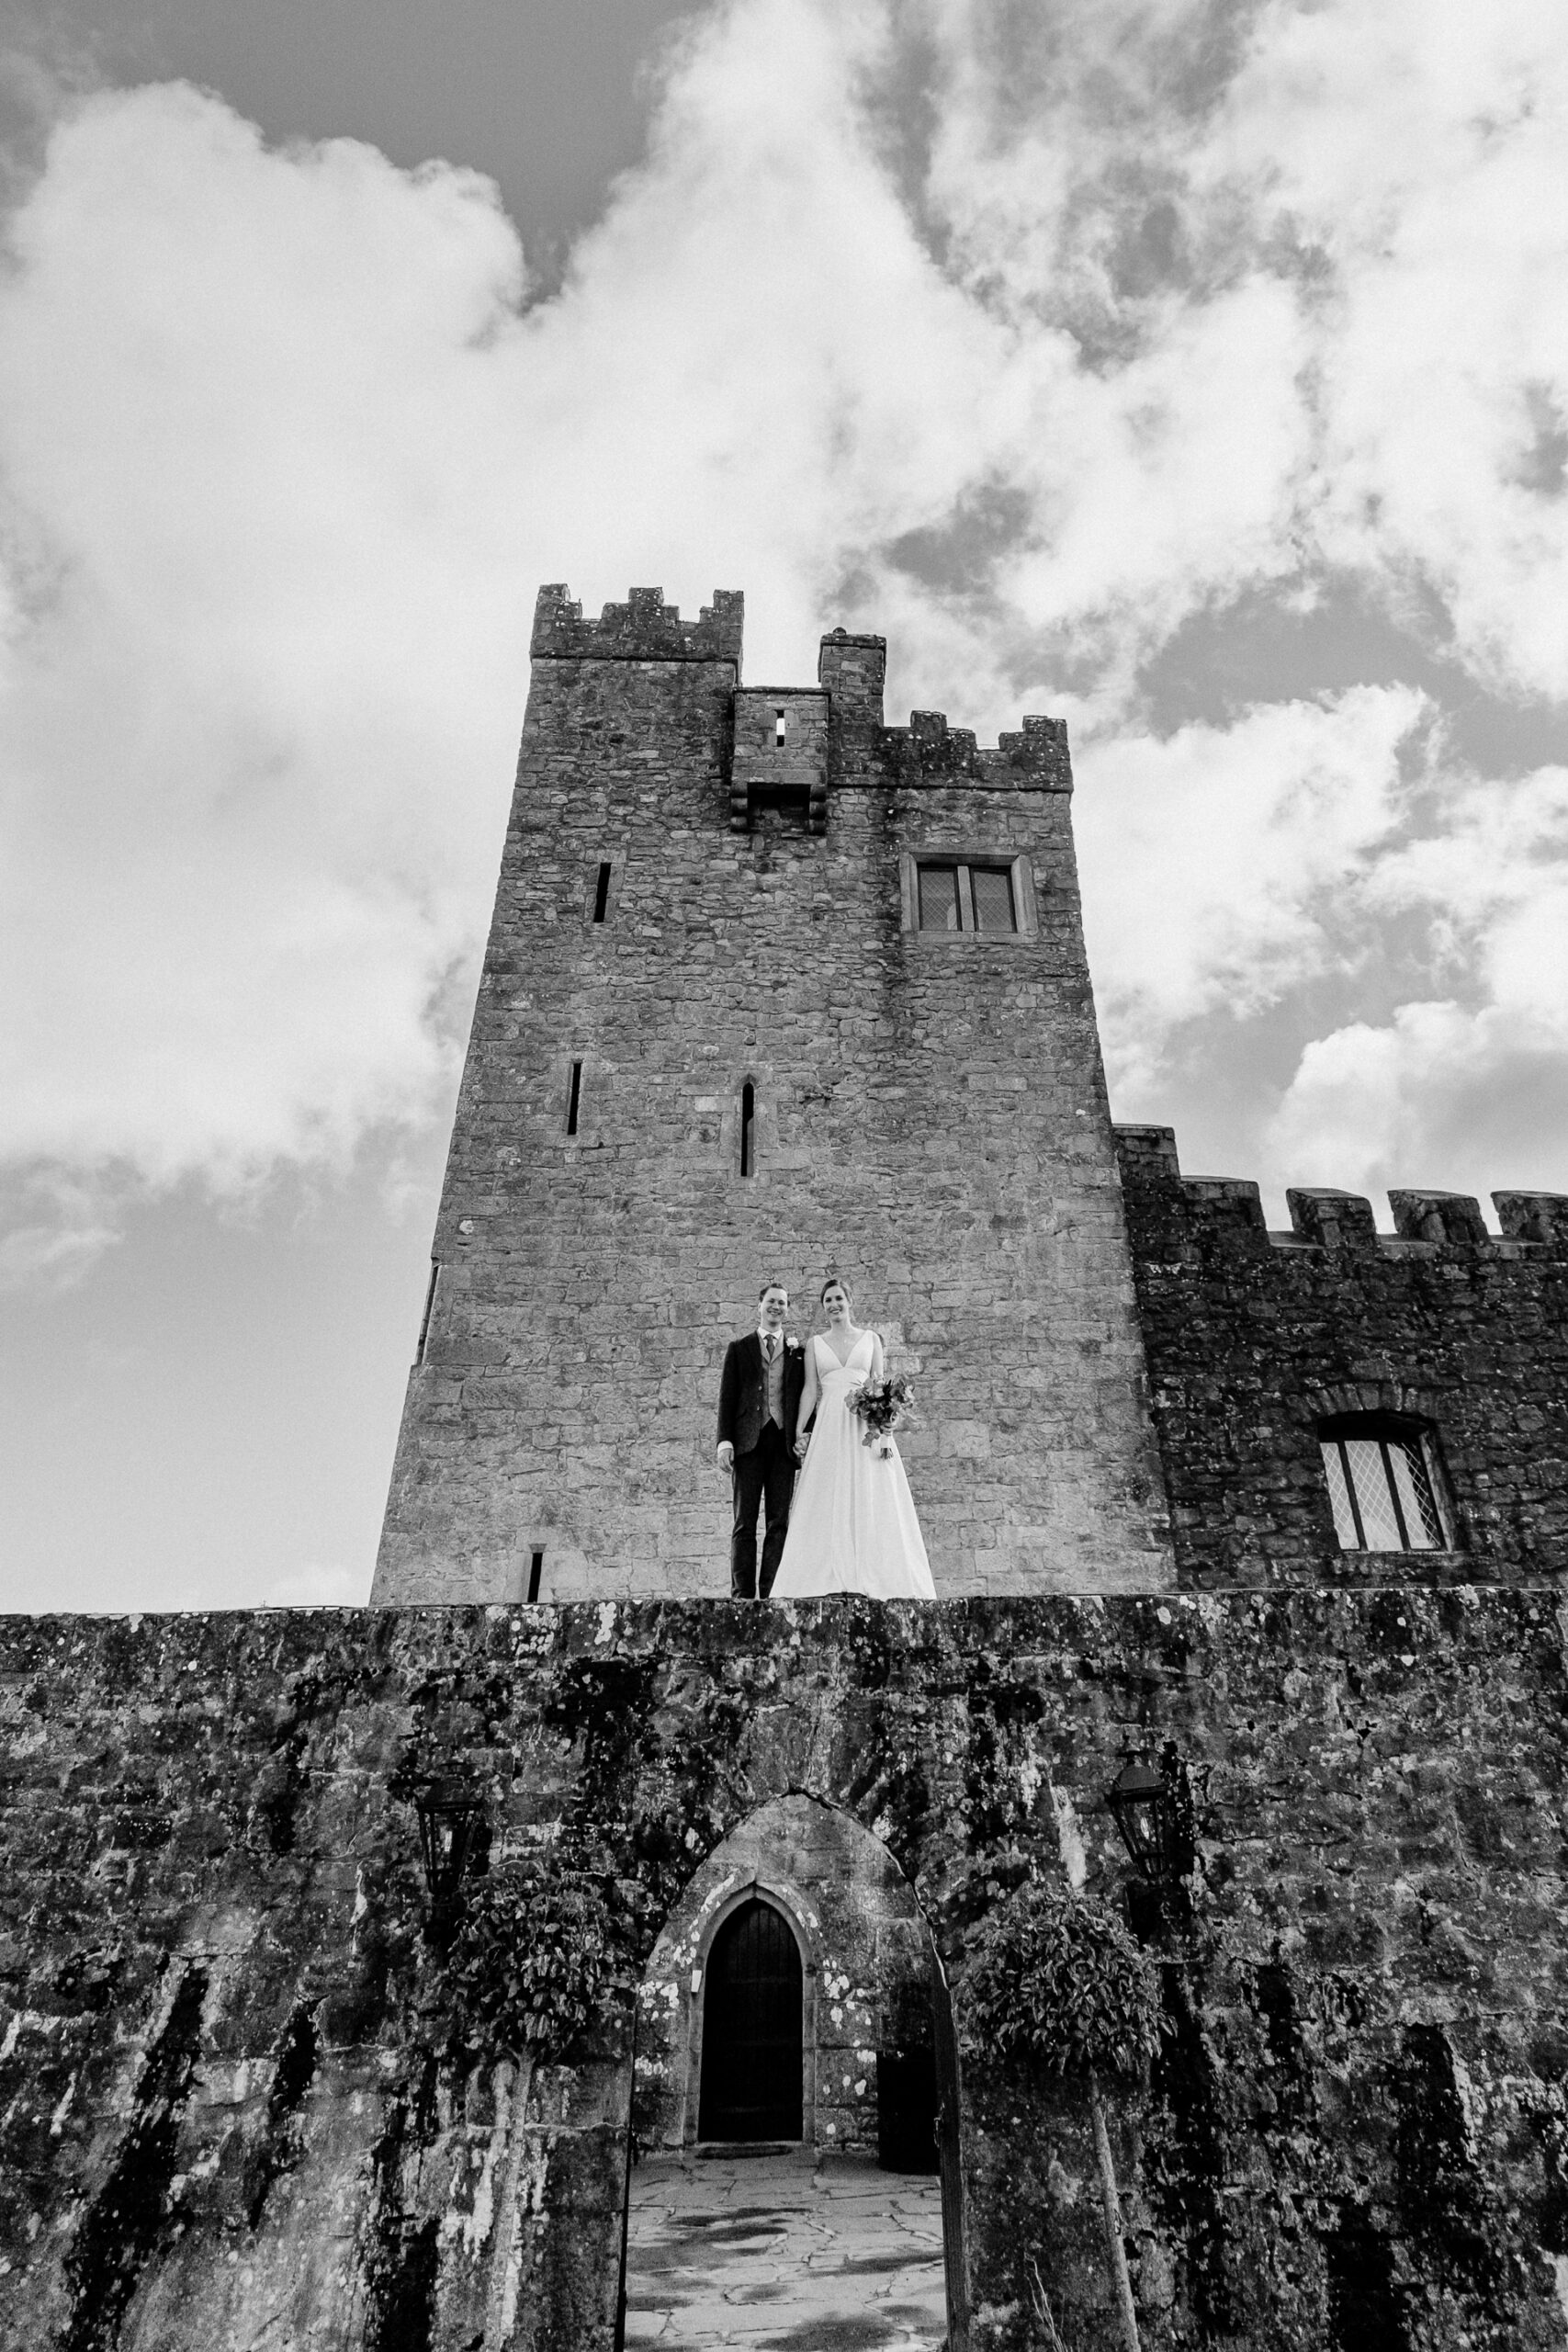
{"points": [[1142, 1805], [450, 1811]]}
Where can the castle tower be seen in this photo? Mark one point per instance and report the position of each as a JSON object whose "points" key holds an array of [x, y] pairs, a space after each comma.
{"points": [[772, 989]]}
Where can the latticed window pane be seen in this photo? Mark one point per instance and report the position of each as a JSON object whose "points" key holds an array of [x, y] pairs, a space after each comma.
{"points": [[993, 898], [1380, 1488], [1339, 1497], [1367, 1459], [939, 897], [1422, 1527]]}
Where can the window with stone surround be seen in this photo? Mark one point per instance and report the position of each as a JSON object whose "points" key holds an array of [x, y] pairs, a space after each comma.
{"points": [[965, 892], [1385, 1484]]}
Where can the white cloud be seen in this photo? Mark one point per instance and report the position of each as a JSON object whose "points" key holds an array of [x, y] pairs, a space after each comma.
{"points": [[283, 458], [259, 684], [1445, 342], [52, 1256], [1383, 192], [1467, 1100], [1469, 1092], [283, 464], [1215, 863]]}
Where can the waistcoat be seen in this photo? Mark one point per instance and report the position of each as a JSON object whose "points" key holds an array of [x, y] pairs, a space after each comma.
{"points": [[773, 1384]]}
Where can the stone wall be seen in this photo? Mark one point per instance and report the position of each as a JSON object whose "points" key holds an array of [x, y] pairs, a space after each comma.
{"points": [[229, 2115], [930, 1121], [1254, 1337]]}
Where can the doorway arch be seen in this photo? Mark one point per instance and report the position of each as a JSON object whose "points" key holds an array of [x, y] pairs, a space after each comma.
{"points": [[872, 1993], [753, 2028]]}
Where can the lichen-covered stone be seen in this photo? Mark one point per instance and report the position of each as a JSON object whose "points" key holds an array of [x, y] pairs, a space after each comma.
{"points": [[1359, 2103]]}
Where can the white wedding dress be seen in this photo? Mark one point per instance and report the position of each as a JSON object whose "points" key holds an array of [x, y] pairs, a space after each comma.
{"points": [[851, 1526]]}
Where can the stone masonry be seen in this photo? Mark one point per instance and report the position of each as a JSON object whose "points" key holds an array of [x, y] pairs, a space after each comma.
{"points": [[224, 2124], [735, 2248], [1254, 1337], [930, 1121]]}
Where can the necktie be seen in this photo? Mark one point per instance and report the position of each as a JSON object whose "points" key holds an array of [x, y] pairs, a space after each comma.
{"points": [[769, 1344]]}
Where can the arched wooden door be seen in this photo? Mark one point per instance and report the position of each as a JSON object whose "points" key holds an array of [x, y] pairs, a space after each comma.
{"points": [[752, 2043]]}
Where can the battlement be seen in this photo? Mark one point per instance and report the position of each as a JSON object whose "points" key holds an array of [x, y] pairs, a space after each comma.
{"points": [[929, 751], [645, 629], [833, 734], [1173, 1214], [1439, 1338], [851, 669]]}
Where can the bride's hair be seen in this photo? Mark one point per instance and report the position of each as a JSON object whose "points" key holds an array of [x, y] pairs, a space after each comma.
{"points": [[834, 1282]]}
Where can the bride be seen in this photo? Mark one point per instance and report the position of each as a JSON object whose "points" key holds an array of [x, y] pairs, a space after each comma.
{"points": [[852, 1527]]}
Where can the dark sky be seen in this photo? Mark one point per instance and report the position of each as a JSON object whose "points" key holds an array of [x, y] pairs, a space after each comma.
{"points": [[547, 97]]}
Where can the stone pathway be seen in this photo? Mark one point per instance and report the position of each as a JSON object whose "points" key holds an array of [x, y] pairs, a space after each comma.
{"points": [[784, 2251]]}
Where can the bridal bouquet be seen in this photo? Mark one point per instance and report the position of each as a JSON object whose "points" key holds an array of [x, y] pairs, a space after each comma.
{"points": [[883, 1405]]}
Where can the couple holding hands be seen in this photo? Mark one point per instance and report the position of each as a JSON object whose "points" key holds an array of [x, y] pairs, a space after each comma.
{"points": [[781, 1404]]}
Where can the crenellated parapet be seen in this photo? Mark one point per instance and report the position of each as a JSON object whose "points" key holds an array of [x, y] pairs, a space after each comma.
{"points": [[929, 752], [1332, 1219], [645, 629], [1179, 1212], [791, 747], [1441, 1346], [1534, 1216], [851, 669]]}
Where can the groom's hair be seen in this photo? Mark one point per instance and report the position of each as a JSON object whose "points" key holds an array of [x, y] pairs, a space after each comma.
{"points": [[768, 1287]]}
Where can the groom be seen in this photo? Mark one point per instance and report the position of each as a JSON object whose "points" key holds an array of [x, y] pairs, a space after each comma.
{"points": [[759, 1396]]}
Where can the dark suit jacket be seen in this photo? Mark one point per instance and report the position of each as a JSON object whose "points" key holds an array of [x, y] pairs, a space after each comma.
{"points": [[743, 1392]]}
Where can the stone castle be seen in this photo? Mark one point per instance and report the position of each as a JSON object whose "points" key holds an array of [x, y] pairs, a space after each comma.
{"points": [[715, 1040], [773, 987]]}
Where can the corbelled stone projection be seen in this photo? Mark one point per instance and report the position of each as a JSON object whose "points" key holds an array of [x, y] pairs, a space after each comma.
{"points": [[706, 888], [351, 1962]]}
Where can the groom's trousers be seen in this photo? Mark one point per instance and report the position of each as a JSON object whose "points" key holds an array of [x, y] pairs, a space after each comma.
{"points": [[764, 1478]]}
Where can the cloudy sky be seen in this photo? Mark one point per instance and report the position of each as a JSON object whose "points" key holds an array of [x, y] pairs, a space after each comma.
{"points": [[1196, 370]]}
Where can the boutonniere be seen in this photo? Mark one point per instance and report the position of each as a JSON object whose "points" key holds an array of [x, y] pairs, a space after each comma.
{"points": [[791, 1347]]}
